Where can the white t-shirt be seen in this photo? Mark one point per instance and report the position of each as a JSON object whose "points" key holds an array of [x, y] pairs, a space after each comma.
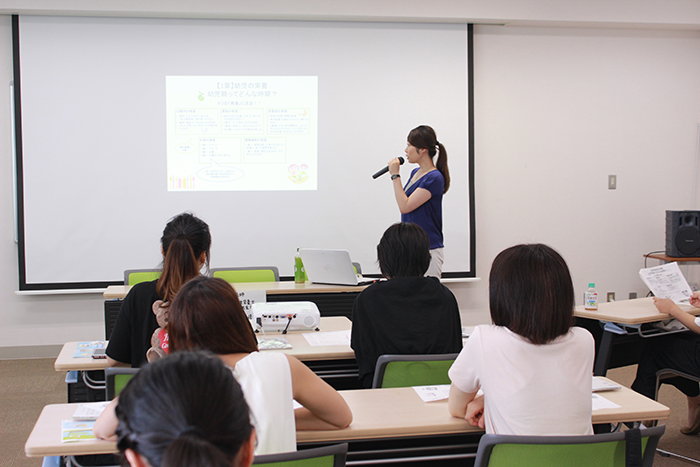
{"points": [[529, 389], [266, 380]]}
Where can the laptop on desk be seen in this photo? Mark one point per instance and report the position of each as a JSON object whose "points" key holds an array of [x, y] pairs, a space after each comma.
{"points": [[331, 267]]}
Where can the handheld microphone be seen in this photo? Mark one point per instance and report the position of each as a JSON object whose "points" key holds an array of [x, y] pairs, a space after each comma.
{"points": [[386, 169]]}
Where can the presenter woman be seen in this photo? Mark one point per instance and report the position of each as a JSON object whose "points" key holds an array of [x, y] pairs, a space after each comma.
{"points": [[185, 245], [420, 200]]}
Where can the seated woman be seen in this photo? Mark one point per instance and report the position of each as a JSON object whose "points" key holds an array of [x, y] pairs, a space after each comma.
{"points": [[408, 313], [185, 246], [168, 417], [206, 315], [679, 352], [533, 367]]}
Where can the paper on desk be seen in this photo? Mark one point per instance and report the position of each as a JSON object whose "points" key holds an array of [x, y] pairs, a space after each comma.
{"points": [[600, 402], [433, 393], [89, 410], [85, 349], [72, 430], [667, 281], [600, 384], [321, 338]]}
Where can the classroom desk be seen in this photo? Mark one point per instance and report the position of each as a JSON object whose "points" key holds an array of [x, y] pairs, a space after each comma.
{"points": [[386, 422], [636, 312], [332, 300], [300, 348], [334, 363]]}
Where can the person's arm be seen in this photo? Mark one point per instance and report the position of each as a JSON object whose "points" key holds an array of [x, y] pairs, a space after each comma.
{"points": [[406, 203], [666, 305], [459, 401], [114, 363], [324, 408], [106, 424]]}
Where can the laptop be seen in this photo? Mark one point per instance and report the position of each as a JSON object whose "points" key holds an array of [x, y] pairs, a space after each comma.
{"points": [[331, 267]]}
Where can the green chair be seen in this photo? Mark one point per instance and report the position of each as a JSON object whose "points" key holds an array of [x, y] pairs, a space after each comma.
{"points": [[135, 276], [250, 274], [327, 456], [116, 379], [400, 371], [624, 448]]}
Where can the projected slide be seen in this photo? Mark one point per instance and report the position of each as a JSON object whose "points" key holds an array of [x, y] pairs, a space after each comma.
{"points": [[241, 133]]}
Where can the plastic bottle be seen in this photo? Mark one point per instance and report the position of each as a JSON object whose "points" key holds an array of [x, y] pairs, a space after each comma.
{"points": [[299, 272], [590, 298]]}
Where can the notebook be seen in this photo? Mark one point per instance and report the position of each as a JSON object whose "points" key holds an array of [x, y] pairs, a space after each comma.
{"points": [[331, 267]]}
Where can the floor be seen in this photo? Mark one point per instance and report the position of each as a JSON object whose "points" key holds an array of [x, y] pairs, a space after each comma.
{"points": [[27, 385]]}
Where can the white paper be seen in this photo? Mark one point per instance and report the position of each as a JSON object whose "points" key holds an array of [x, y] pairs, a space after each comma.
{"points": [[323, 338], [600, 402], [600, 384], [89, 410], [667, 281], [433, 393]]}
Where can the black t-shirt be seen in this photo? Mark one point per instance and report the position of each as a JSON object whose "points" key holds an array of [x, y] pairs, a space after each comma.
{"points": [[404, 316], [131, 337]]}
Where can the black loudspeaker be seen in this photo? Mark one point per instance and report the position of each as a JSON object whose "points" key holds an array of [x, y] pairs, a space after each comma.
{"points": [[683, 233]]}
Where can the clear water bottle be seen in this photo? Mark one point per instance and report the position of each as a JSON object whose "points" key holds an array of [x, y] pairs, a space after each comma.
{"points": [[299, 272], [590, 298]]}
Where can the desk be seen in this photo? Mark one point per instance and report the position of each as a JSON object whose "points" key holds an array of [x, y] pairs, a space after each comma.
{"points": [[335, 363], [381, 417], [332, 300], [638, 311]]}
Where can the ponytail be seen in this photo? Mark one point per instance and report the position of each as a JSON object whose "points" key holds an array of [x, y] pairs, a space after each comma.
{"points": [[424, 137], [179, 266], [185, 238], [441, 165]]}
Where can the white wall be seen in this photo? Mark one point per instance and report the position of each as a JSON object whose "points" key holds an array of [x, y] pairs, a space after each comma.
{"points": [[557, 111]]}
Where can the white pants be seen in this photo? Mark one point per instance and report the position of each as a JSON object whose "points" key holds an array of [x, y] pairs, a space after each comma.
{"points": [[437, 257]]}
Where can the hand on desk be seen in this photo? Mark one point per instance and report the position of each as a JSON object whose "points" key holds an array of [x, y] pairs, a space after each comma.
{"points": [[475, 412]]}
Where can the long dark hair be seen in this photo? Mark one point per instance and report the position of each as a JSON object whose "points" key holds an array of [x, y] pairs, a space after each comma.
{"points": [[531, 293], [207, 315], [183, 410], [184, 239], [424, 137]]}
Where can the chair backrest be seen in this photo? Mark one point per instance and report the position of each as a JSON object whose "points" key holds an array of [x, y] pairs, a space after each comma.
{"points": [[135, 276], [327, 456], [116, 379], [573, 451], [251, 274], [358, 268], [400, 371]]}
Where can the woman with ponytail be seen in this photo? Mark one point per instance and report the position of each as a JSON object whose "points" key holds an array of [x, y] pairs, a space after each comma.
{"points": [[185, 410], [420, 200], [185, 246]]}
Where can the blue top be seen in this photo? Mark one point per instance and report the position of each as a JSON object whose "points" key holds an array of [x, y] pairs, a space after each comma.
{"points": [[429, 214]]}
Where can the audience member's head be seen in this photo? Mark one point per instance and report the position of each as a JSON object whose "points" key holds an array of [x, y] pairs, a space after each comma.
{"points": [[207, 315], [403, 251], [531, 293], [185, 410], [185, 242]]}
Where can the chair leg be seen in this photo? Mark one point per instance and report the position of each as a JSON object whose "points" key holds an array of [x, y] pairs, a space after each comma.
{"points": [[690, 460]]}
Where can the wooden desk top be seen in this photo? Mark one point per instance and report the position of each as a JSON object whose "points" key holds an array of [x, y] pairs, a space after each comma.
{"points": [[377, 413], [636, 311], [114, 292], [670, 259], [301, 349]]}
